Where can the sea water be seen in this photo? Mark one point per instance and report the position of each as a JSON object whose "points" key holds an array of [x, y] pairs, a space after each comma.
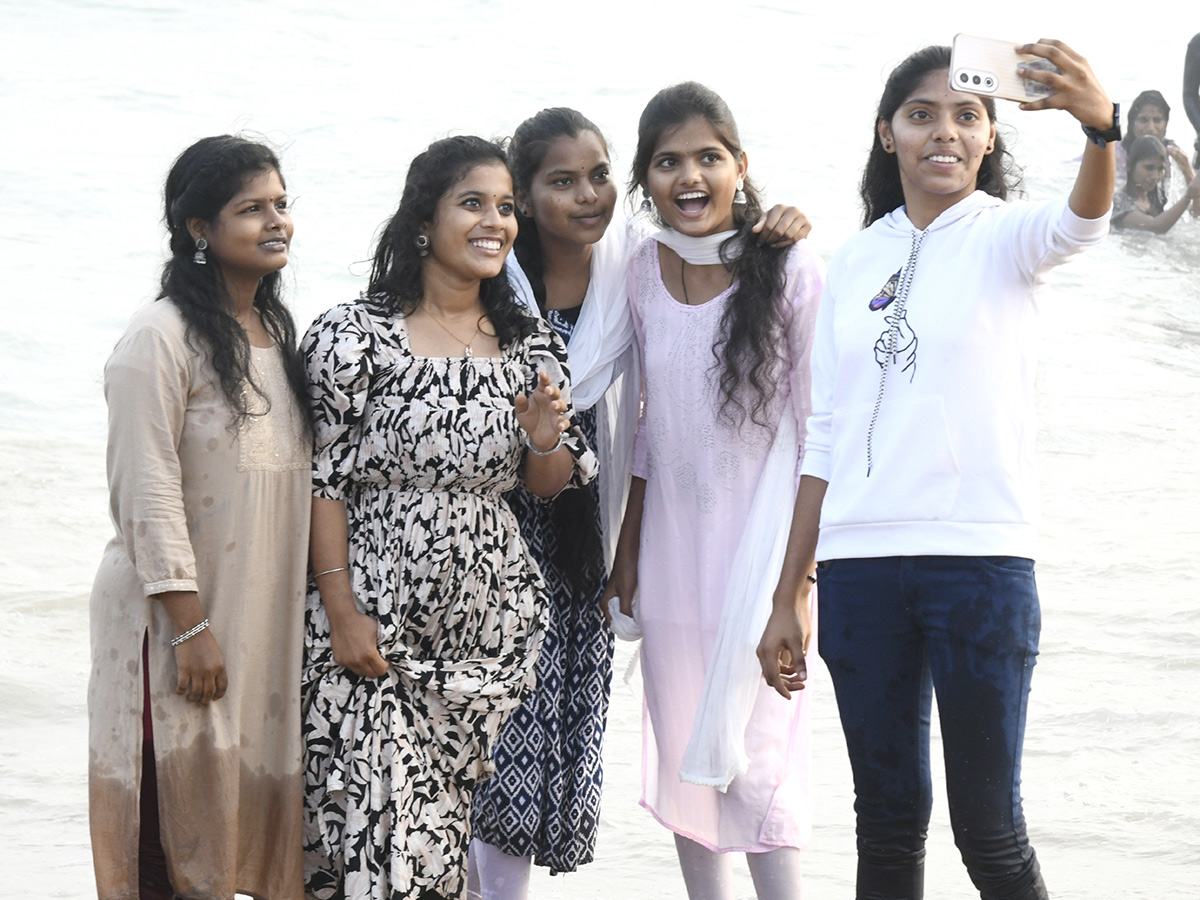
{"points": [[96, 99]]}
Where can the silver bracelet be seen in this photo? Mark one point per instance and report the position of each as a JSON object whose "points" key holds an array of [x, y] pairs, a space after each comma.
{"points": [[331, 571], [189, 634], [536, 452]]}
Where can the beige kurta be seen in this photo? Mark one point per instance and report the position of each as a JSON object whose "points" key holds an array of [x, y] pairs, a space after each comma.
{"points": [[199, 505]]}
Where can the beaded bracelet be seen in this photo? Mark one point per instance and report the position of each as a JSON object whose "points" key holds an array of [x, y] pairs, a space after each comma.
{"points": [[190, 633], [536, 452]]}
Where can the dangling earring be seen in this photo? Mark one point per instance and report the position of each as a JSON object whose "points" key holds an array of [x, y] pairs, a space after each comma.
{"points": [[739, 196], [198, 257], [422, 242], [647, 206]]}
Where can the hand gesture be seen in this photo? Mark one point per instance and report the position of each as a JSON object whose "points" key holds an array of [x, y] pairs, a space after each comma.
{"points": [[541, 413], [785, 642], [1176, 153], [906, 344], [1076, 88], [782, 226], [201, 668]]}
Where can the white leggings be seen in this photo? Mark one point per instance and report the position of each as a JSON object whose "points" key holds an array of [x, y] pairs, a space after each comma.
{"points": [[494, 875], [708, 874]]}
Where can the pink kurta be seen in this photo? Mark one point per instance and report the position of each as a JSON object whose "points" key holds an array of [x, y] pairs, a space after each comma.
{"points": [[701, 474]]}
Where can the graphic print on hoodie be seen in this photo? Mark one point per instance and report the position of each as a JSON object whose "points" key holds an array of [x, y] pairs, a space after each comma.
{"points": [[906, 338]]}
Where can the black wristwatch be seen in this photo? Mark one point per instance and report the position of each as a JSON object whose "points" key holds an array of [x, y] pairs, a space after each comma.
{"points": [[1108, 135]]}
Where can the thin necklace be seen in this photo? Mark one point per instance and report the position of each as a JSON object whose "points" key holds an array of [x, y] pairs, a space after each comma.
{"points": [[467, 351], [683, 280]]}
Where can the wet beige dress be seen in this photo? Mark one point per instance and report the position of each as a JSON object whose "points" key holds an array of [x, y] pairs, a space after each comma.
{"points": [[200, 506]]}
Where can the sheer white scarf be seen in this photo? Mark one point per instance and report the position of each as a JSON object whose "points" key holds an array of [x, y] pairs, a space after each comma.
{"points": [[605, 374]]}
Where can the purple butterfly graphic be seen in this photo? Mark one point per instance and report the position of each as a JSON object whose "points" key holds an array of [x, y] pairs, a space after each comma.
{"points": [[885, 296]]}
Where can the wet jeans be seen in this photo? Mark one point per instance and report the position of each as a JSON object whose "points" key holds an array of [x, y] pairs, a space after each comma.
{"points": [[893, 631]]}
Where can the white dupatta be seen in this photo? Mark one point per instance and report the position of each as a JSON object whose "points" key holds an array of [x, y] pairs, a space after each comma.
{"points": [[716, 751], [605, 374]]}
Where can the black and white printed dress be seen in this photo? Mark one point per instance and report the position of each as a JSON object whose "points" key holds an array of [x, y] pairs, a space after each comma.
{"points": [[421, 450], [544, 799]]}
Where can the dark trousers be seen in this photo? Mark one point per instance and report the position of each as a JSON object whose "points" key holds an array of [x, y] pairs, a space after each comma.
{"points": [[892, 632], [153, 881]]}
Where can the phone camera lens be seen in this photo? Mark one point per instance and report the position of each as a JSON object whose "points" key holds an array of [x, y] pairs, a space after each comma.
{"points": [[988, 82], [963, 77], [975, 79]]}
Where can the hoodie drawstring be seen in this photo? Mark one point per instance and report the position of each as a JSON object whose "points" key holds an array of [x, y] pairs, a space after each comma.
{"points": [[906, 277]]}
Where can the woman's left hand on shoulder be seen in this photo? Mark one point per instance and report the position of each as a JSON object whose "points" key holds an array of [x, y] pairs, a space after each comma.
{"points": [[1076, 88], [782, 226], [540, 413]]}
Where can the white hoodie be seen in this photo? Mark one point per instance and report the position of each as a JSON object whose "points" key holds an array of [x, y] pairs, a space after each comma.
{"points": [[952, 445]]}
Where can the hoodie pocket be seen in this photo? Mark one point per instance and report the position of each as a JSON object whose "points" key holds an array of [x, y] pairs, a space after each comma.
{"points": [[914, 476]]}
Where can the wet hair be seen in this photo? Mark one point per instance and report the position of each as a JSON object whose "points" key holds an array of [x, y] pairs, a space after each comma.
{"points": [[880, 188], [1140, 102], [395, 285], [204, 178], [1144, 99], [752, 326], [527, 151], [577, 549], [1147, 147]]}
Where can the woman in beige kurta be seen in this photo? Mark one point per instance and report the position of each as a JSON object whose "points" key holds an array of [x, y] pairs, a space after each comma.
{"points": [[213, 506]]}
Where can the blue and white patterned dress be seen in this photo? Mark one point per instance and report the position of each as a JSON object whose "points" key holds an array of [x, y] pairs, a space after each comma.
{"points": [[544, 798]]}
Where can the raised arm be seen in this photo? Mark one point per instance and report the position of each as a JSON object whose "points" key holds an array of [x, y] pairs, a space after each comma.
{"points": [[1163, 222], [1077, 90], [1185, 166]]}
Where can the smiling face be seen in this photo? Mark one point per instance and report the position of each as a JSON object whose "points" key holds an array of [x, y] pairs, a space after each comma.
{"points": [[692, 178], [473, 227], [251, 234], [1150, 119], [940, 138], [572, 196]]}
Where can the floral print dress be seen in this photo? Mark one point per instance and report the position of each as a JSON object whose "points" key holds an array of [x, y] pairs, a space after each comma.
{"points": [[421, 450]]}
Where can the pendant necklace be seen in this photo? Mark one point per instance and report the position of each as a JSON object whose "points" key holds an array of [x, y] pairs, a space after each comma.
{"points": [[467, 351]]}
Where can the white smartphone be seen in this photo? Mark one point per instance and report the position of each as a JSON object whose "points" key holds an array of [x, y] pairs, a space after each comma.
{"points": [[989, 67]]}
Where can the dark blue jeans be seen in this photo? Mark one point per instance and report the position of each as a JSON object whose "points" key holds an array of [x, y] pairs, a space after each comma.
{"points": [[895, 630]]}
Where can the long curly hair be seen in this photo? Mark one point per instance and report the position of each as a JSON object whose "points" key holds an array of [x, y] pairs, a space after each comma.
{"points": [[880, 188], [748, 351], [395, 286], [527, 150], [204, 178]]}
